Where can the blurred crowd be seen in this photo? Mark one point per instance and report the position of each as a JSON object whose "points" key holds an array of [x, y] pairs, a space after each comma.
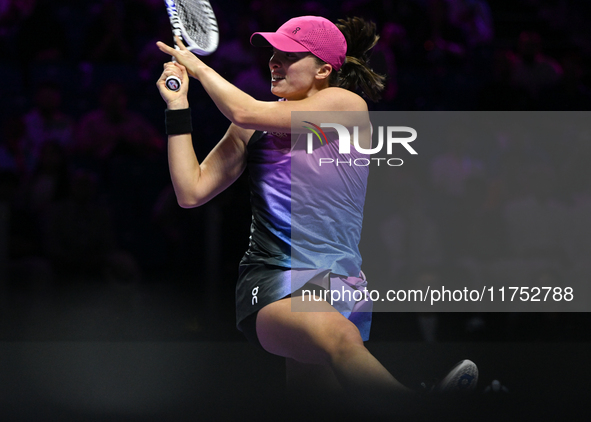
{"points": [[85, 195]]}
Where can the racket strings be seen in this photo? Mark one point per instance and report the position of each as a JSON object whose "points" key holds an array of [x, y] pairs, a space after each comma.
{"points": [[199, 22]]}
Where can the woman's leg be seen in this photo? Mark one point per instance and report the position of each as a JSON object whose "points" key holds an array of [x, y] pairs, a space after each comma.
{"points": [[319, 335]]}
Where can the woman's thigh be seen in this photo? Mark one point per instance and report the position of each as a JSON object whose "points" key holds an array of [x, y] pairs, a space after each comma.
{"points": [[312, 335]]}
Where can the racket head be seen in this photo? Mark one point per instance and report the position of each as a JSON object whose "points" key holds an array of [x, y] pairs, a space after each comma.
{"points": [[196, 22]]}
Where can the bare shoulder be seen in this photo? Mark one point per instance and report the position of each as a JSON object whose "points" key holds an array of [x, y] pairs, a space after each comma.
{"points": [[343, 99]]}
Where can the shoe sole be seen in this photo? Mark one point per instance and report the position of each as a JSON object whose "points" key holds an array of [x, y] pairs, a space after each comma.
{"points": [[462, 377]]}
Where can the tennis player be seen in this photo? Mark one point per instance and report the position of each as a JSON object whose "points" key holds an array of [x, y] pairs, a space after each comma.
{"points": [[316, 66]]}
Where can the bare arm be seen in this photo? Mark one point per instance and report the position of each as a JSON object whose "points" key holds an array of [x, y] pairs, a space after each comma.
{"points": [[244, 111], [195, 183]]}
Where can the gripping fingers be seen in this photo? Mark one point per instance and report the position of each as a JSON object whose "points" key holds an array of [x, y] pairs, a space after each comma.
{"points": [[182, 55], [174, 74], [178, 52], [173, 83], [179, 43]]}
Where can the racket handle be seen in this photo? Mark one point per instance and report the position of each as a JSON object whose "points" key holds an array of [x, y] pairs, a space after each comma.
{"points": [[173, 83]]}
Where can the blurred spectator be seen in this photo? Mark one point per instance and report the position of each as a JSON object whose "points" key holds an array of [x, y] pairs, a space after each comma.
{"points": [[533, 70], [46, 122], [113, 129], [474, 18], [237, 53], [108, 37], [245, 66], [446, 43], [255, 79]]}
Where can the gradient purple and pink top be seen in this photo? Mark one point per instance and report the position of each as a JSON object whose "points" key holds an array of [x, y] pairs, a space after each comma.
{"points": [[305, 215]]}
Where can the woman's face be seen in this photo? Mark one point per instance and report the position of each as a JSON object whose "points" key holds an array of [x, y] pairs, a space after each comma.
{"points": [[293, 75]]}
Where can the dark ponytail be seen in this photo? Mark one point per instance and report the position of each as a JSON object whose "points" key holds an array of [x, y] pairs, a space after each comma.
{"points": [[355, 74]]}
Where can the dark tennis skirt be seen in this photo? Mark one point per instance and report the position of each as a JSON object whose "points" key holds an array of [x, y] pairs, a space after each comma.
{"points": [[261, 284]]}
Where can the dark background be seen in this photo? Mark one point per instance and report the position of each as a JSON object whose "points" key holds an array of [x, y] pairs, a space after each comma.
{"points": [[93, 246]]}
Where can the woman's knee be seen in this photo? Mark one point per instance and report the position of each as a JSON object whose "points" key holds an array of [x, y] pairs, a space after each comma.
{"points": [[342, 341]]}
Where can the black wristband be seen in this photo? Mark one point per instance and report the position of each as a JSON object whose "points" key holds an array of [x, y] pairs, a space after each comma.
{"points": [[178, 122]]}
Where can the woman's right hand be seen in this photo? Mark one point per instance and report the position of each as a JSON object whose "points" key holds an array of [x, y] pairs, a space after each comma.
{"points": [[174, 99]]}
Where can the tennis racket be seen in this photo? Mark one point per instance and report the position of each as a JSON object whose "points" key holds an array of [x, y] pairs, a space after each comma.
{"points": [[194, 22]]}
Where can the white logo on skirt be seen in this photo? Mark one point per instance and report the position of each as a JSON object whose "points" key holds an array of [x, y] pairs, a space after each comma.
{"points": [[255, 291]]}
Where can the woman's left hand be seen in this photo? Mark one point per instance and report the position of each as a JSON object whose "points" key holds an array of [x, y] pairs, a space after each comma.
{"points": [[174, 99], [183, 56]]}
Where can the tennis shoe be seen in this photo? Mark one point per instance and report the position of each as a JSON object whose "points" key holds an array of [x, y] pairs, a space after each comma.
{"points": [[462, 377]]}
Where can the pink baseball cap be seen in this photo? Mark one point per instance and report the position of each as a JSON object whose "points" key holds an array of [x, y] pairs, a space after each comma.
{"points": [[315, 34]]}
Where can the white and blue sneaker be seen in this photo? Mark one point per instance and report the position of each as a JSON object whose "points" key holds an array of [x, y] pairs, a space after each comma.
{"points": [[462, 377]]}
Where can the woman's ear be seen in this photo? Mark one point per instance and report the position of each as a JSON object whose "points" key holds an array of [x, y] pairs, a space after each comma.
{"points": [[324, 71]]}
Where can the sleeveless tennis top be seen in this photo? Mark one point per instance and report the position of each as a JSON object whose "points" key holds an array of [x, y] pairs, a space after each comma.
{"points": [[306, 214]]}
